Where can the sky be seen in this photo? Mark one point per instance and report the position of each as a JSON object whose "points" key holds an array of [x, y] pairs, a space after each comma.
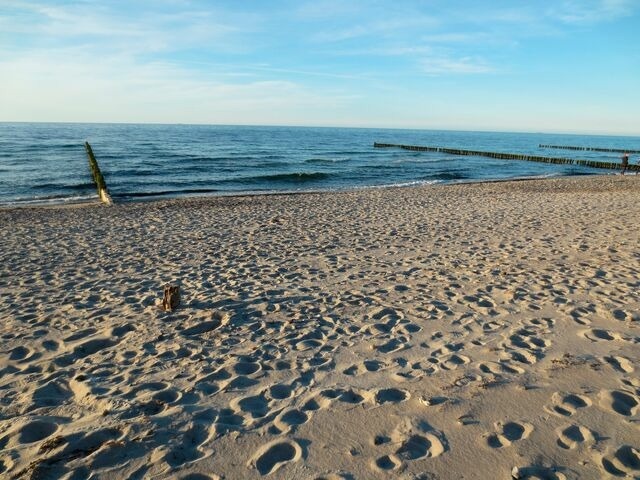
{"points": [[570, 66]]}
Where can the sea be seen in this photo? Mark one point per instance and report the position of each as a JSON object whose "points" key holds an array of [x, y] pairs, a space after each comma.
{"points": [[46, 163]]}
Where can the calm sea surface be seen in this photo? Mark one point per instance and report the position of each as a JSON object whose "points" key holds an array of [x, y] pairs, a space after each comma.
{"points": [[46, 163]]}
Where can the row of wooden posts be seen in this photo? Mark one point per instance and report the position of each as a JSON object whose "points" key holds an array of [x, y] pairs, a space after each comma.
{"points": [[98, 178], [510, 156], [589, 149]]}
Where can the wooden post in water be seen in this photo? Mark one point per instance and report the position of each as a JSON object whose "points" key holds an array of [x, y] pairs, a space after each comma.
{"points": [[98, 178]]}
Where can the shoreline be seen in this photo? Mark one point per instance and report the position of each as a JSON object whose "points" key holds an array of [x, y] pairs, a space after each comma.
{"points": [[411, 184], [444, 330]]}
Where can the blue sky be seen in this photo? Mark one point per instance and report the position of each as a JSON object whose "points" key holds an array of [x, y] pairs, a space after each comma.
{"points": [[552, 66]]}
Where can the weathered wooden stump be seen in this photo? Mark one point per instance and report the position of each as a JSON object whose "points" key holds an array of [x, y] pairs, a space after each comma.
{"points": [[171, 298], [98, 178]]}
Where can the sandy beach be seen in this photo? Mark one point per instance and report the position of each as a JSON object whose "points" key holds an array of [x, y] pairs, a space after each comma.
{"points": [[466, 331]]}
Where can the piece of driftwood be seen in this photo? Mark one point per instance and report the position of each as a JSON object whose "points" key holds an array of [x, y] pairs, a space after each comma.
{"points": [[171, 298]]}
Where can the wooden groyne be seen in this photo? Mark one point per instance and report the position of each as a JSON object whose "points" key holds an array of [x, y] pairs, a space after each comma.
{"points": [[511, 156], [98, 178], [588, 149]]}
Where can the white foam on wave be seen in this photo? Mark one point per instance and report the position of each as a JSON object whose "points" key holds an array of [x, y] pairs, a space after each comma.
{"points": [[37, 201], [411, 183]]}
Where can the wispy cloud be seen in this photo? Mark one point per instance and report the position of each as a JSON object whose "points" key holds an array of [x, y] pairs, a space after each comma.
{"points": [[120, 89], [386, 28], [591, 11], [451, 65], [455, 38], [323, 9], [541, 18], [133, 30]]}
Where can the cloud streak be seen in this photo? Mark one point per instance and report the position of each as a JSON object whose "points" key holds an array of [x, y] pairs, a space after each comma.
{"points": [[591, 11], [452, 65], [118, 89]]}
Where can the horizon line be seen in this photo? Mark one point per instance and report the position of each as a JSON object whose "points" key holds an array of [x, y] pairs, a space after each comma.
{"points": [[353, 127]]}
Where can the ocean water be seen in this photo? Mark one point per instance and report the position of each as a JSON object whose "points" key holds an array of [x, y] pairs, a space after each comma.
{"points": [[47, 163]]}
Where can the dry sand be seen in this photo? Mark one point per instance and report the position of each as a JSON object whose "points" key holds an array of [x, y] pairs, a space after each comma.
{"points": [[468, 331]]}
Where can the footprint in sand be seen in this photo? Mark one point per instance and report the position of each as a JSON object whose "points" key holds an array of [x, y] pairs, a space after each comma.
{"points": [[257, 406], [387, 463], [621, 364], [579, 314], [391, 395], [288, 420], [168, 396], [407, 328], [200, 325], [334, 476], [492, 326], [428, 367], [228, 421], [272, 456], [621, 402], [600, 335], [36, 430], [507, 433], [214, 382], [523, 356], [454, 361], [624, 316], [574, 435], [536, 472], [50, 394], [280, 391], [420, 446], [567, 404], [199, 476], [308, 344], [366, 366], [542, 325], [90, 442], [86, 349], [352, 397], [393, 345], [524, 338], [412, 440], [93, 346], [21, 354], [79, 335], [245, 367], [623, 462], [240, 382], [122, 330], [385, 314], [447, 349], [435, 400], [320, 401], [6, 464], [190, 448], [499, 368]]}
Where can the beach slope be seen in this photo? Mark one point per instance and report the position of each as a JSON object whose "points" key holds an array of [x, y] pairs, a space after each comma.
{"points": [[465, 331]]}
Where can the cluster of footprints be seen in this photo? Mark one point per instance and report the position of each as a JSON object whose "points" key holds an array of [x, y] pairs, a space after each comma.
{"points": [[623, 461]]}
